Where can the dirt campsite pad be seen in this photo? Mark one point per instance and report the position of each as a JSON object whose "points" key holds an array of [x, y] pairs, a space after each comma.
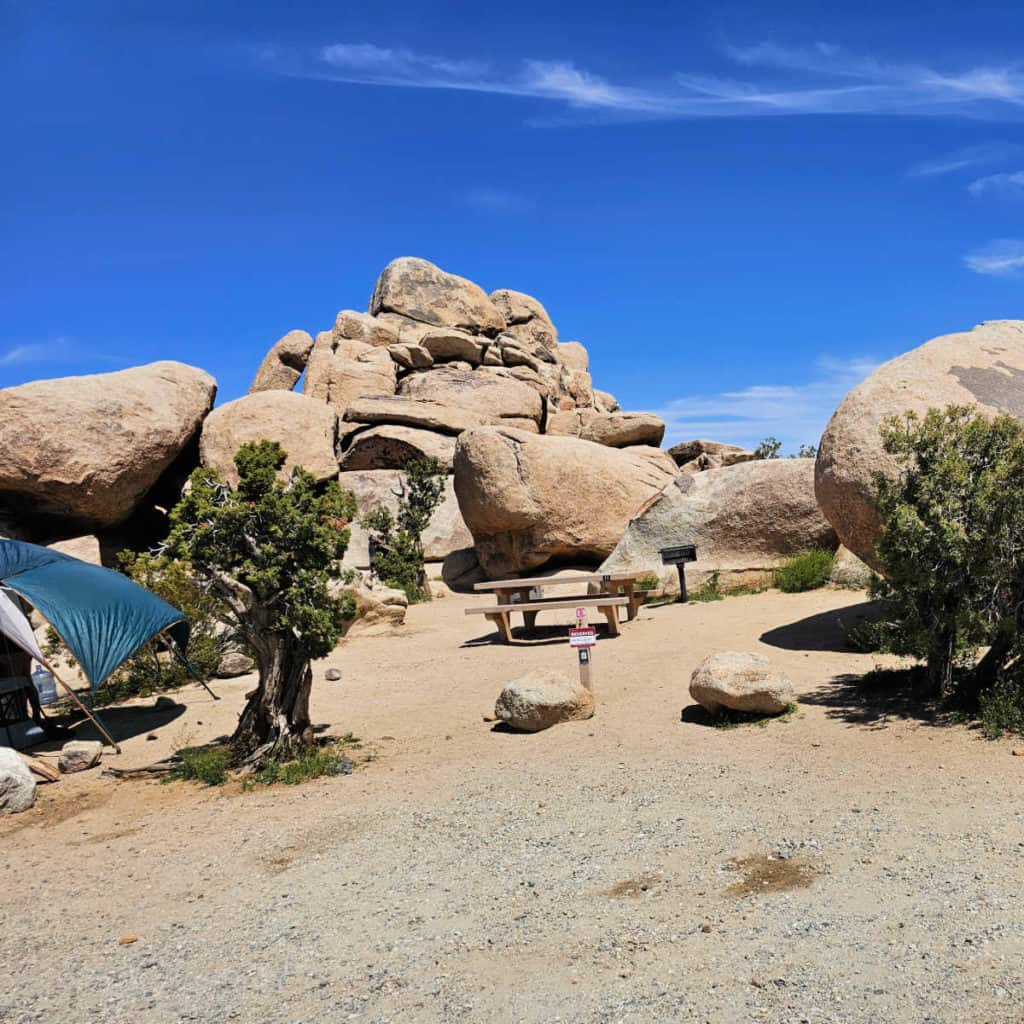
{"points": [[586, 873]]}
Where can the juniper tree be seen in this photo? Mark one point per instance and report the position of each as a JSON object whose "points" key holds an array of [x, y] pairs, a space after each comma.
{"points": [[269, 548], [953, 544], [398, 539]]}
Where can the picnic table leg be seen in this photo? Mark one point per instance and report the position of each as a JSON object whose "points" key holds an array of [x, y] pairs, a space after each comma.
{"points": [[530, 620], [635, 601], [501, 621], [613, 619]]}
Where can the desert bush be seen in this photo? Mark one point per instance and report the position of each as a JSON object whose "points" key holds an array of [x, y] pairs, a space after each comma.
{"points": [[710, 591], [805, 571], [1001, 708], [648, 581], [204, 764], [328, 758], [953, 547], [769, 448], [397, 540]]}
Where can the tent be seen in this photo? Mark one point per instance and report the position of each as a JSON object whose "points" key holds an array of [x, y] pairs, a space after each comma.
{"points": [[101, 615]]}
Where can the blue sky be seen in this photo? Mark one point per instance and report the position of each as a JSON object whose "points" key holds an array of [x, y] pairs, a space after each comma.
{"points": [[738, 208]]}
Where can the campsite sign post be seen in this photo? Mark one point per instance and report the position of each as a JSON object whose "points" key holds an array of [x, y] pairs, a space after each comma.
{"points": [[582, 637]]}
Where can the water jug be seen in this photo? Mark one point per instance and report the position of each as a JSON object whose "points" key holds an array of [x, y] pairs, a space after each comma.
{"points": [[45, 685]]}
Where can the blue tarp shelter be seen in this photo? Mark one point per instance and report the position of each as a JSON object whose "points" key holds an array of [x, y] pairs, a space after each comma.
{"points": [[101, 615]]}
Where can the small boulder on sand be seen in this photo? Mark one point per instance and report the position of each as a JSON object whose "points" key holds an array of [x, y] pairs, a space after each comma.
{"points": [[233, 664], [17, 787], [543, 698], [79, 756], [740, 681]]}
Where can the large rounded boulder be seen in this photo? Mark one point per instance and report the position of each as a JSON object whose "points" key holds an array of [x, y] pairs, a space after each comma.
{"points": [[86, 450], [419, 290], [529, 499], [983, 368], [305, 428], [744, 519]]}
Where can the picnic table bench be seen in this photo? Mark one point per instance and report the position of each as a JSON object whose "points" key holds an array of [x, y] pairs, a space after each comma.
{"points": [[516, 596]]}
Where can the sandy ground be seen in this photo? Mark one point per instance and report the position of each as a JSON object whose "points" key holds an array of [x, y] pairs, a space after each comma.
{"points": [[621, 869]]}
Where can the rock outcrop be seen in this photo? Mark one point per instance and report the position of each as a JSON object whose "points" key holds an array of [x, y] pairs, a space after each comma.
{"points": [[284, 364], [849, 571], [526, 319], [341, 370], [416, 289], [392, 447], [495, 398], [745, 520], [84, 451], [541, 699], [615, 429], [530, 499], [379, 610], [740, 681], [306, 429], [983, 368], [698, 456]]}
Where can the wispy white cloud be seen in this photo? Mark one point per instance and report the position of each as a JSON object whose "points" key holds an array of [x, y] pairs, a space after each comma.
{"points": [[35, 352], [1002, 186], [496, 200], [823, 79], [1002, 258], [794, 413], [982, 155]]}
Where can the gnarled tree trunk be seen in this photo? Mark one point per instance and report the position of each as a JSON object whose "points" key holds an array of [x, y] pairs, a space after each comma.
{"points": [[275, 722]]}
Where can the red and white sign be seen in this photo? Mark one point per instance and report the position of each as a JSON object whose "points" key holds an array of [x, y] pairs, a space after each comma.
{"points": [[581, 614], [585, 636]]}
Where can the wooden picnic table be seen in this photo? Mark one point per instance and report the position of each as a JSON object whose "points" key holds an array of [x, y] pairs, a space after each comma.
{"points": [[515, 596]]}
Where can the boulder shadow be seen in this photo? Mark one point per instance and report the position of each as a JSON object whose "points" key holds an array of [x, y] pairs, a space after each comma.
{"points": [[826, 631], [878, 699], [694, 714]]}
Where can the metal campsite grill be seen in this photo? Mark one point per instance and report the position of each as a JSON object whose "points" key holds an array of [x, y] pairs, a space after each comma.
{"points": [[679, 556]]}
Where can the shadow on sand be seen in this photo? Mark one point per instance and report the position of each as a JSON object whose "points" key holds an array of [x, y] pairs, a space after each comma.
{"points": [[539, 636], [825, 631], [122, 722], [876, 700]]}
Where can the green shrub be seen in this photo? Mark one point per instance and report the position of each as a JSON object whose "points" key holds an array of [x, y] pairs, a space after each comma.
{"points": [[769, 448], [311, 763], [204, 764], [952, 545], [710, 591], [396, 540], [805, 571], [648, 581], [1001, 708]]}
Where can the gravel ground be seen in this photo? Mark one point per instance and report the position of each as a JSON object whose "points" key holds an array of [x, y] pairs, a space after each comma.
{"points": [[604, 871]]}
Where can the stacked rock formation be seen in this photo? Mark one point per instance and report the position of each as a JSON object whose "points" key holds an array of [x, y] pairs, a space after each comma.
{"points": [[433, 357]]}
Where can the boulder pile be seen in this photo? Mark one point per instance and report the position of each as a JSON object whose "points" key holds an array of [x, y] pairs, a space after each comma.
{"points": [[434, 360]]}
